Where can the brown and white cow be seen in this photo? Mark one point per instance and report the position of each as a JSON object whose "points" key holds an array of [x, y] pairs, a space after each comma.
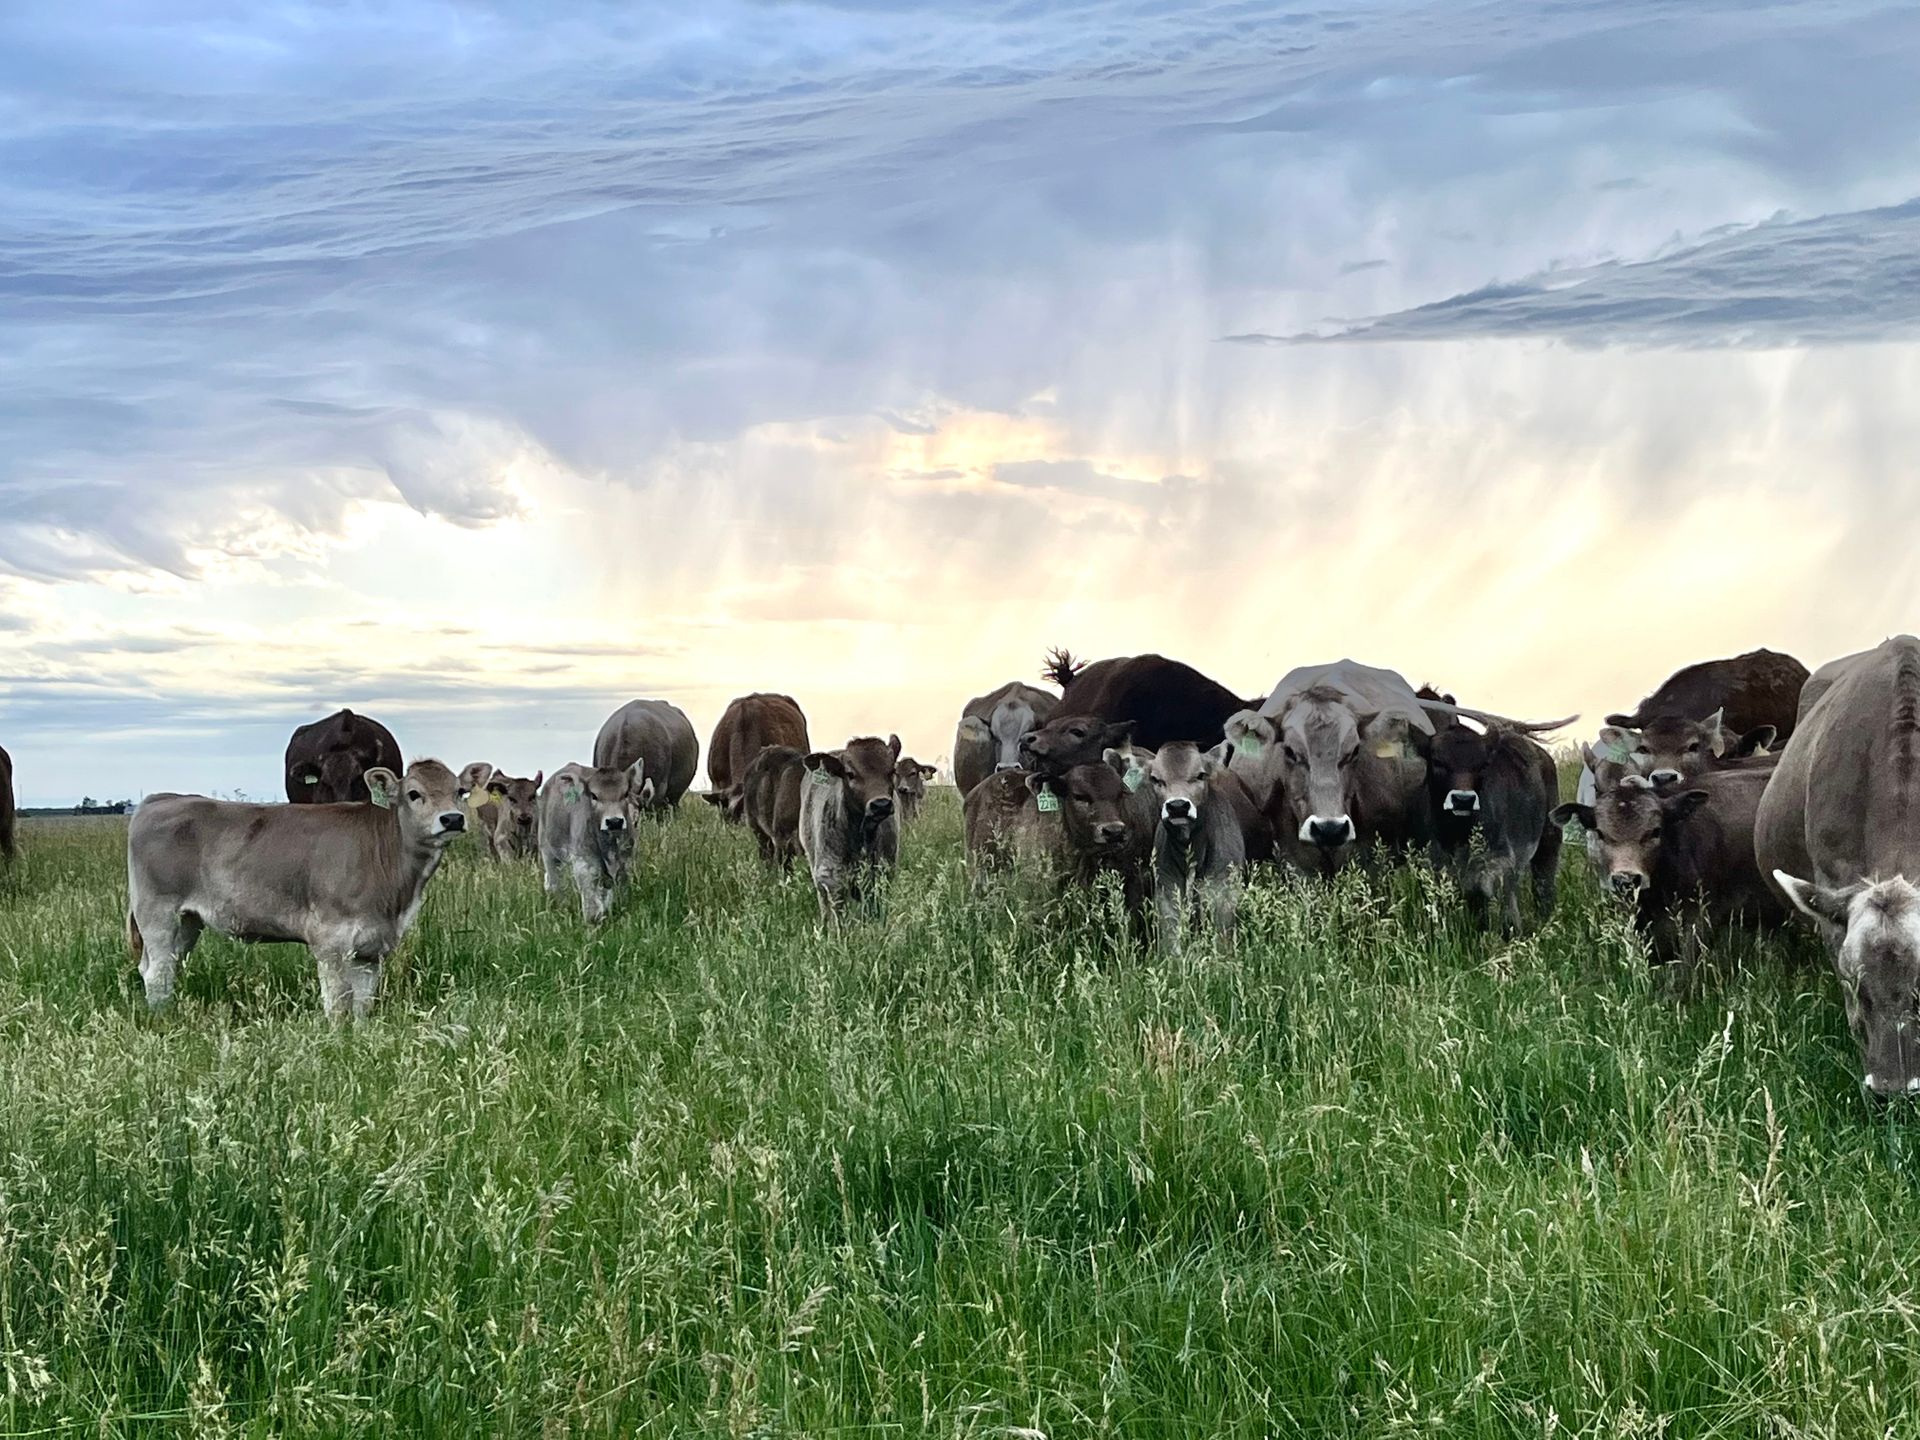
{"points": [[749, 725], [988, 737], [587, 819], [849, 819], [1839, 832], [345, 880]]}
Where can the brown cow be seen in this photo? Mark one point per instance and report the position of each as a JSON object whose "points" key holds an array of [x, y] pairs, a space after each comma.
{"points": [[345, 880], [1683, 859], [849, 825], [327, 761], [1079, 824], [749, 725], [910, 784], [509, 815], [770, 803], [1839, 832], [1491, 795]]}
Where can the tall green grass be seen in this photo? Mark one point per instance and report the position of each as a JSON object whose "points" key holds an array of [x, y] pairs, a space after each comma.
{"points": [[969, 1167]]}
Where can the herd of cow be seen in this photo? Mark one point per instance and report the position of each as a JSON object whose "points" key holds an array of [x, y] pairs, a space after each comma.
{"points": [[1740, 791]]}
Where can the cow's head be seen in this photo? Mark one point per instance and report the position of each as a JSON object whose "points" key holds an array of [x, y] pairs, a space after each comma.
{"points": [[1181, 775], [515, 803], [1670, 749], [1633, 821], [864, 773], [613, 799], [1069, 740], [730, 802], [1456, 768], [1873, 930], [1011, 719], [425, 801], [910, 779], [1254, 754], [1325, 750], [337, 774], [1096, 808]]}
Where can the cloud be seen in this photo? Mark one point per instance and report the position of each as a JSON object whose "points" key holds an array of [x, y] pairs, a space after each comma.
{"points": [[1834, 280]]}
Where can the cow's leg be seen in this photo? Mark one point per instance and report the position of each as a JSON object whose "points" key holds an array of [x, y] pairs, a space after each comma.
{"points": [[596, 893], [1170, 908], [1222, 893], [334, 966], [1546, 872], [554, 872], [363, 978], [166, 938]]}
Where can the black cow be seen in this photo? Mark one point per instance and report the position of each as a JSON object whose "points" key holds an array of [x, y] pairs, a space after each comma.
{"points": [[1761, 687], [1490, 796], [1164, 699], [327, 761]]}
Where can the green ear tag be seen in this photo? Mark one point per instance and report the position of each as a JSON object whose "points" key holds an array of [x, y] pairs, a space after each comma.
{"points": [[821, 777], [1616, 751], [570, 793], [1047, 801], [1247, 745], [380, 796], [1136, 772]]}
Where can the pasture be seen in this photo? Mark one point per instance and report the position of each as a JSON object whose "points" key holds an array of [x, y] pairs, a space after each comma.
{"points": [[968, 1168]]}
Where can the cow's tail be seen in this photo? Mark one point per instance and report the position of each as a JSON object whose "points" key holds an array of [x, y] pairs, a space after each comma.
{"points": [[1524, 727], [1061, 667]]}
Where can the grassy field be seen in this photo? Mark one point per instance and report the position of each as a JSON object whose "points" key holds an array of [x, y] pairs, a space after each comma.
{"points": [[970, 1169]]}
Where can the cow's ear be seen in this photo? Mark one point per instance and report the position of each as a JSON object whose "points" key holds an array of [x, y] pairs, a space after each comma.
{"points": [[1716, 727], [1616, 744], [1685, 803], [893, 744], [497, 788], [1825, 906], [1625, 722], [1216, 757], [972, 727], [1249, 732], [1119, 761], [1568, 813], [1756, 741], [382, 785], [927, 772], [1038, 783], [538, 776], [825, 762], [643, 796], [1118, 734], [474, 776]]}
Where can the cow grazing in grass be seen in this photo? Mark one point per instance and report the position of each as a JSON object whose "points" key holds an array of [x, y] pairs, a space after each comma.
{"points": [[586, 825], [346, 880], [1839, 833]]}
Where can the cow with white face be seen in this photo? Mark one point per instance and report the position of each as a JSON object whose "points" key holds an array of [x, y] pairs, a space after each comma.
{"points": [[346, 880], [1839, 832], [586, 825], [988, 738]]}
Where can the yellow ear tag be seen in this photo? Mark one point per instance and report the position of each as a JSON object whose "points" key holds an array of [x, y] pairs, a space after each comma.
{"points": [[1389, 749], [1047, 802]]}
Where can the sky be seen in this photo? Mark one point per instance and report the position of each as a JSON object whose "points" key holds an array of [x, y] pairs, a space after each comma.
{"points": [[482, 366]]}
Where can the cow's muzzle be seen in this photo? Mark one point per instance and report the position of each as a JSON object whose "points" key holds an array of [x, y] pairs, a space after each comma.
{"points": [[1177, 810], [1665, 777], [1463, 802], [879, 808], [452, 821], [1328, 832], [614, 822], [1627, 884]]}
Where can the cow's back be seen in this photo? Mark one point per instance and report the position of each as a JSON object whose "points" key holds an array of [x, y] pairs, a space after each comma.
{"points": [[1843, 803], [658, 733], [1166, 700], [1367, 690], [1761, 687], [1719, 857], [751, 724]]}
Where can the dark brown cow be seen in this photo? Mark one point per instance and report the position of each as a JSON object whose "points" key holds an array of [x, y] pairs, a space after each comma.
{"points": [[910, 778], [1683, 858], [1761, 687], [770, 803], [327, 761], [1490, 796], [1079, 824], [1164, 699], [1670, 749], [749, 725], [8, 847], [509, 816]]}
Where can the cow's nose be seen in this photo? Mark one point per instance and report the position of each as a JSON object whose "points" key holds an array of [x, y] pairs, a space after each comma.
{"points": [[1007, 765], [452, 820], [880, 807], [1113, 831], [523, 821], [1329, 832], [1627, 882], [1178, 807], [614, 822], [1463, 802], [1665, 776]]}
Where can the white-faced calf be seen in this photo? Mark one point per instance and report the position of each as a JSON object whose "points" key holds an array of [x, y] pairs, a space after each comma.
{"points": [[1199, 849], [586, 824]]}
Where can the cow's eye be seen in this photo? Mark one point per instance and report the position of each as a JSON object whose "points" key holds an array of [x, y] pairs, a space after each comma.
{"points": [[1693, 747], [1642, 750], [1293, 756], [414, 796], [1350, 756]]}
